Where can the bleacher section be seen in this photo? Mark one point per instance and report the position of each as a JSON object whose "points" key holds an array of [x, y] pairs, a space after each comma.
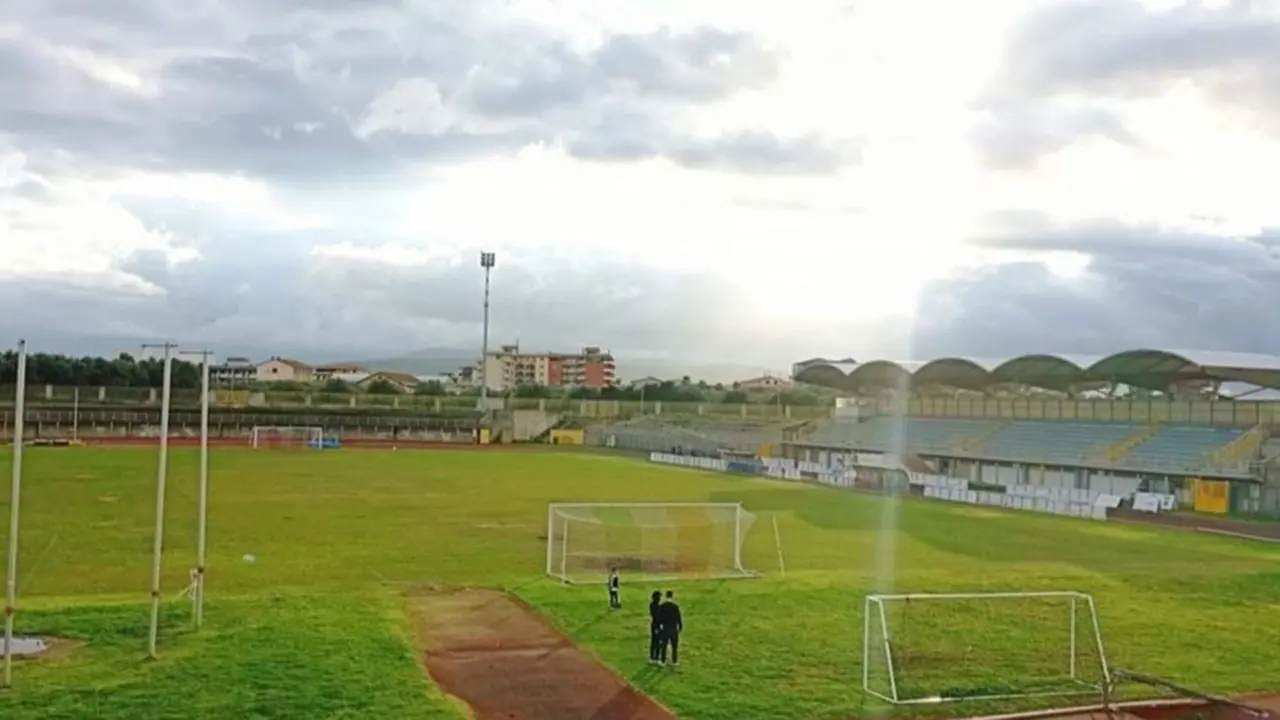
{"points": [[655, 433], [1173, 448]]}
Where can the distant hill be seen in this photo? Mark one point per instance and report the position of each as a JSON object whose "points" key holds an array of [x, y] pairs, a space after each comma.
{"points": [[432, 361]]}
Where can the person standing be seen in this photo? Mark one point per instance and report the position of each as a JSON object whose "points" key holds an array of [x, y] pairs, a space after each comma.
{"points": [[615, 601], [655, 627], [672, 625]]}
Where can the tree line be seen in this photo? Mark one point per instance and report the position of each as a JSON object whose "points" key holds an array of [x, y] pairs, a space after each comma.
{"points": [[123, 371]]}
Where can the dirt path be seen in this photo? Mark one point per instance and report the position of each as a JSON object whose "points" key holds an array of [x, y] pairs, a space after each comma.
{"points": [[506, 662]]}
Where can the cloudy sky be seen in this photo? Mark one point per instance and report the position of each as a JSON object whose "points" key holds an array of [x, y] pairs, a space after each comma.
{"points": [[755, 182]]}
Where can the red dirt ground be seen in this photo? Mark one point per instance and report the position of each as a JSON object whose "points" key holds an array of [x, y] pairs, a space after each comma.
{"points": [[508, 663]]}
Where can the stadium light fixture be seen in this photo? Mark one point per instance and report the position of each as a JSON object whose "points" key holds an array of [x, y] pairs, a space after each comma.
{"points": [[487, 261]]}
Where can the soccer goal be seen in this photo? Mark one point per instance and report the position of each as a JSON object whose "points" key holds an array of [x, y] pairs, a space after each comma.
{"points": [[934, 648], [648, 540], [287, 436]]}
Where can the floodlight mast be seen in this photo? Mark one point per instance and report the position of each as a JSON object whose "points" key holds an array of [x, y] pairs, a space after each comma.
{"points": [[162, 476], [15, 493], [487, 261], [202, 533]]}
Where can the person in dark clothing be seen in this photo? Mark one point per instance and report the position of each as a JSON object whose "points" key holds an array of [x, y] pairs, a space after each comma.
{"points": [[615, 601], [672, 625], [655, 628]]}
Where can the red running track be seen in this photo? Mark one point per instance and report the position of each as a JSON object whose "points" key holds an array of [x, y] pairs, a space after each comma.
{"points": [[347, 443]]}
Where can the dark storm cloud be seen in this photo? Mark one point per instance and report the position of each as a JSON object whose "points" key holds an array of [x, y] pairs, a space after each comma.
{"points": [[1062, 56], [1144, 287], [274, 89]]}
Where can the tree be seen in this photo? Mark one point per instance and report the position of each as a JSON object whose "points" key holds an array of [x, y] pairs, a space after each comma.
{"points": [[122, 371], [532, 391], [382, 386], [334, 385], [430, 387], [735, 397]]}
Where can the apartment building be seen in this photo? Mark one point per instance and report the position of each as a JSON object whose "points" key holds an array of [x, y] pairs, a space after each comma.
{"points": [[279, 369], [508, 367]]}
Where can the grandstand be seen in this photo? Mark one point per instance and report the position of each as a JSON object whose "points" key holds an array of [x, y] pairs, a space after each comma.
{"points": [[1148, 418], [660, 433]]}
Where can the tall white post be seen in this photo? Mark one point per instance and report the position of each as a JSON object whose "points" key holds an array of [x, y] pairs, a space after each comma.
{"points": [[737, 538], [15, 497], [203, 522], [75, 414], [162, 476], [551, 534]]}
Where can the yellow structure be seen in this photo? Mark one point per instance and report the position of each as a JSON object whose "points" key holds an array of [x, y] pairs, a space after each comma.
{"points": [[482, 436], [567, 437], [1212, 496], [231, 398]]}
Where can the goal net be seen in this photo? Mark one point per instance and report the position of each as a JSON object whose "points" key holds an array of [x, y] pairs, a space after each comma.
{"points": [[650, 540], [282, 436], [932, 648]]}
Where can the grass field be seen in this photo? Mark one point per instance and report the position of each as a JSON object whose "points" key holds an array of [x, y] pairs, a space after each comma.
{"points": [[317, 627]]}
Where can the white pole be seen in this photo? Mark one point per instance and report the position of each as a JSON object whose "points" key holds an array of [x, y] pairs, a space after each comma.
{"points": [[202, 536], [75, 414], [737, 538], [157, 547], [551, 533], [15, 497], [564, 552], [777, 542]]}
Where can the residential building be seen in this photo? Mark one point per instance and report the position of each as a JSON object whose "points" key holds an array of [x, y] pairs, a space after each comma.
{"points": [[591, 368], [764, 383], [279, 369], [345, 372], [404, 382], [235, 371], [508, 367], [647, 381]]}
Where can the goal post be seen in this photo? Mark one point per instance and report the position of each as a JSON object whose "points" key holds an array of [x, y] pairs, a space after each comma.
{"points": [[946, 647], [287, 436], [647, 540]]}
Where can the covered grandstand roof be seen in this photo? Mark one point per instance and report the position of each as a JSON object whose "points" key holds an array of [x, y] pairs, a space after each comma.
{"points": [[1144, 368]]}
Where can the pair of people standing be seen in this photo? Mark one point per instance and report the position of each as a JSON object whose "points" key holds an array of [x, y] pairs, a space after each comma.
{"points": [[665, 621], [665, 626]]}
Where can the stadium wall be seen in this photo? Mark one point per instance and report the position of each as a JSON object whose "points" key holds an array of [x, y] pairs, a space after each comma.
{"points": [[1241, 413]]}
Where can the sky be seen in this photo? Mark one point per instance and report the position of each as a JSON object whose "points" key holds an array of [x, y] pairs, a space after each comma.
{"points": [[713, 180]]}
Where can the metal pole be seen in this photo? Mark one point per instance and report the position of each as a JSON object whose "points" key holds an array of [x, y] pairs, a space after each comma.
{"points": [[75, 415], [162, 476], [487, 261], [15, 496], [202, 532]]}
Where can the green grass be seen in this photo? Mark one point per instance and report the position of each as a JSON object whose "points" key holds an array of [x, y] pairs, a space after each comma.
{"points": [[316, 628]]}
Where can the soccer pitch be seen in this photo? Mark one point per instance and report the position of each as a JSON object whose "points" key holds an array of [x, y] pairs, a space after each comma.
{"points": [[319, 626]]}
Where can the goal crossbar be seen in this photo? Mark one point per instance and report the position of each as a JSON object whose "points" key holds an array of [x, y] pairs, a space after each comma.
{"points": [[878, 644], [656, 540]]}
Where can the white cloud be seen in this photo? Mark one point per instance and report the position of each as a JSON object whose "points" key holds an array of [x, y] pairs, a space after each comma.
{"points": [[820, 171]]}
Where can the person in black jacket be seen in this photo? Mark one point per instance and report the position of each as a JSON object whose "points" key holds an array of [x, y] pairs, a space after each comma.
{"points": [[655, 628], [615, 601], [672, 625]]}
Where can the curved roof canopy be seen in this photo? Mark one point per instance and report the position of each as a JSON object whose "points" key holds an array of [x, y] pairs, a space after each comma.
{"points": [[1145, 368]]}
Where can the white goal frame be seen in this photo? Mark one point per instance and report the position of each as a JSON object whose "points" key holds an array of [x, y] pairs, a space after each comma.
{"points": [[874, 614], [312, 435], [559, 570]]}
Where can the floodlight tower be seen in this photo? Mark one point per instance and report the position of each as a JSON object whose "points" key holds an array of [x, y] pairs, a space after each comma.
{"points": [[487, 261]]}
